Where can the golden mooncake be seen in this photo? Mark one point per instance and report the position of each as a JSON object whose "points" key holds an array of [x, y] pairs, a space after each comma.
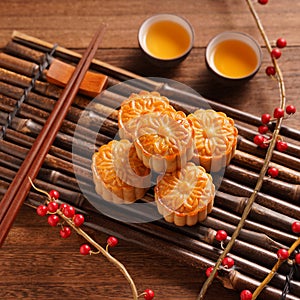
{"points": [[136, 106], [119, 175], [186, 196], [164, 140], [215, 139]]}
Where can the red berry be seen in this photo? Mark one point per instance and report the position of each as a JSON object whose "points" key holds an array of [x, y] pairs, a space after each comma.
{"points": [[63, 206], [296, 227], [282, 254], [276, 53], [78, 220], [273, 172], [53, 220], [265, 143], [263, 129], [281, 146], [278, 113], [148, 294], [297, 258], [53, 206], [270, 71], [258, 140], [54, 194], [261, 141], [65, 232], [246, 295], [85, 249], [42, 210], [221, 235], [265, 118], [69, 211], [228, 262], [290, 109], [281, 43], [209, 270], [112, 241]]}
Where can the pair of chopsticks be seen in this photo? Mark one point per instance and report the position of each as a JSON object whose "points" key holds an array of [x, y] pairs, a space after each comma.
{"points": [[20, 186]]}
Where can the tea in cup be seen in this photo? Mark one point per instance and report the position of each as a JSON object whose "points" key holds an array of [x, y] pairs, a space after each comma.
{"points": [[234, 55], [166, 38]]}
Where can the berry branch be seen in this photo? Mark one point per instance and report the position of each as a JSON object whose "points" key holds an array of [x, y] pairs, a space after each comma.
{"points": [[270, 144], [65, 216], [283, 255]]}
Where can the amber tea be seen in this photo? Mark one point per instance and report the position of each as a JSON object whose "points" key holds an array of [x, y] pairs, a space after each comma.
{"points": [[167, 39], [235, 59]]}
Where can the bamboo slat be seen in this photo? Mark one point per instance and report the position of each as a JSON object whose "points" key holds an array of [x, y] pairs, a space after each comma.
{"points": [[267, 228]]}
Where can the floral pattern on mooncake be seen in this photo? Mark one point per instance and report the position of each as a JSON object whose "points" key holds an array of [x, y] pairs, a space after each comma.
{"points": [[138, 105], [186, 196], [164, 140], [215, 139]]}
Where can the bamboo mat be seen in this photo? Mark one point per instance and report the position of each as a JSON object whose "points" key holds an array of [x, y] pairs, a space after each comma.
{"points": [[68, 171]]}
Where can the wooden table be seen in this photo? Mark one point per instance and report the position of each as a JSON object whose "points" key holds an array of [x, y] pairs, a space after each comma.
{"points": [[35, 262]]}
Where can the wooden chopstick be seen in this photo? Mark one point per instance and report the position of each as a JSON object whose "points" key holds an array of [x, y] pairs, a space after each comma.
{"points": [[20, 186]]}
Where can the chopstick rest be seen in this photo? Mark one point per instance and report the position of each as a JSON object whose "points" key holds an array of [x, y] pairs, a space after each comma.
{"points": [[59, 73]]}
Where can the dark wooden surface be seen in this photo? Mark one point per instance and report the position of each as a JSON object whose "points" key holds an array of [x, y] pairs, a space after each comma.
{"points": [[35, 262]]}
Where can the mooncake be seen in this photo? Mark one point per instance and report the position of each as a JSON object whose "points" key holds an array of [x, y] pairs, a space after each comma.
{"points": [[164, 140], [119, 175], [215, 139], [185, 196], [137, 105]]}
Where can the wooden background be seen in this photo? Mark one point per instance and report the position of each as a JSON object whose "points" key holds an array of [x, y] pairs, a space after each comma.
{"points": [[35, 262]]}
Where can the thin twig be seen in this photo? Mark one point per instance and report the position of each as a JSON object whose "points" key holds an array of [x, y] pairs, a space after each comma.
{"points": [[265, 166], [100, 249], [105, 253], [274, 271]]}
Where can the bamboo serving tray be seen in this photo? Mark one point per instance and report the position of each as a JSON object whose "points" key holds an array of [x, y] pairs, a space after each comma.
{"points": [[26, 99]]}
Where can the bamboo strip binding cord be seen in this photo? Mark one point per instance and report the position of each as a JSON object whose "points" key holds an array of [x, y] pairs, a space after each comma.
{"points": [[193, 246], [42, 66]]}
